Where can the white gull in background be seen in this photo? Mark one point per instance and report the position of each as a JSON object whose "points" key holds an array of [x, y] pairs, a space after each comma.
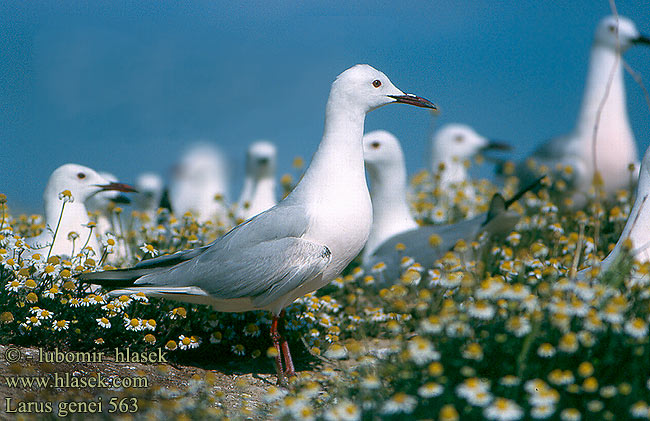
{"points": [[615, 146], [81, 183], [150, 187], [451, 148], [258, 193], [393, 223], [295, 247], [199, 184], [387, 172]]}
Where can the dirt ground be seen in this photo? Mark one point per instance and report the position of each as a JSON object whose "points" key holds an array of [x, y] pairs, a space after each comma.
{"points": [[235, 380]]}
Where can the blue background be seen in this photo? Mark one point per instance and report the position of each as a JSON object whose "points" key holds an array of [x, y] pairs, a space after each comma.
{"points": [[122, 86]]}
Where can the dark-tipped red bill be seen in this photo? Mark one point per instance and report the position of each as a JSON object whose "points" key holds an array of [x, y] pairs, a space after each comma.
{"points": [[413, 100], [118, 186], [496, 146], [642, 39]]}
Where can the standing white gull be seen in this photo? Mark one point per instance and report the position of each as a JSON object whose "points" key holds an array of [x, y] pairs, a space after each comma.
{"points": [[259, 192], [387, 171], [199, 184], [615, 148], [150, 188], [393, 224], [295, 247], [451, 147], [67, 190]]}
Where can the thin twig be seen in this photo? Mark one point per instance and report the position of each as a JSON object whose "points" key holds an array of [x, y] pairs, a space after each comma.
{"points": [[601, 105]]}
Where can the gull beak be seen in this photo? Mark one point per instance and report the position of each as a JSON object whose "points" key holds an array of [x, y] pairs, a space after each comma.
{"points": [[121, 199], [641, 39], [413, 100], [496, 146], [118, 187]]}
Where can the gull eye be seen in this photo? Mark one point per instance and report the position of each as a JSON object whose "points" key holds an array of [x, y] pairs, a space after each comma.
{"points": [[459, 139], [376, 83], [612, 28], [375, 145], [81, 176]]}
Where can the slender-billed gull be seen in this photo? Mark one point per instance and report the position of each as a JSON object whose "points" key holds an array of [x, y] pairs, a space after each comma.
{"points": [[451, 148], [387, 172], [150, 188], [295, 247], [199, 184], [67, 190], [603, 108], [259, 192], [395, 234]]}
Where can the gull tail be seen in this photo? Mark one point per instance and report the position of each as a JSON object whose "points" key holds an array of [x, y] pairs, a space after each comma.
{"points": [[120, 278], [498, 218], [534, 186]]}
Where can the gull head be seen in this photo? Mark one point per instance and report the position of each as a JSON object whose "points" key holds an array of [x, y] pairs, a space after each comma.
{"points": [[462, 142], [150, 191], [260, 159], [365, 88], [82, 182], [201, 164], [618, 33], [381, 149]]}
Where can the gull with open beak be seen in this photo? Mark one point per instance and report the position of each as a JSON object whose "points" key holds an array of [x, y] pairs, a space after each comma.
{"points": [[66, 217], [297, 246]]}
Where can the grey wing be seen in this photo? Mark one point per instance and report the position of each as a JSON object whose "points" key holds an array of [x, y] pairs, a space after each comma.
{"points": [[281, 221], [278, 222], [418, 246], [262, 271], [559, 150], [171, 259]]}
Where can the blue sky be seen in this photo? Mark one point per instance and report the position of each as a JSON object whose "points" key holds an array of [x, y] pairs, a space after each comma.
{"points": [[123, 86]]}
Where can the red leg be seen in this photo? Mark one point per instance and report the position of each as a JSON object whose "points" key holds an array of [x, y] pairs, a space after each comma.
{"points": [[275, 338], [286, 353]]}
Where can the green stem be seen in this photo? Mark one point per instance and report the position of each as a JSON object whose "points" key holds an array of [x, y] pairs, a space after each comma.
{"points": [[2, 223], [88, 239], [58, 224], [525, 348], [104, 255]]}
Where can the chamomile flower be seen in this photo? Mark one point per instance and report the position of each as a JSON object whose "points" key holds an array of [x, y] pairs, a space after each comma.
{"points": [[148, 249], [481, 310], [191, 342], [344, 411], [421, 351], [399, 403], [636, 328], [430, 390], [104, 322], [503, 410], [59, 325]]}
